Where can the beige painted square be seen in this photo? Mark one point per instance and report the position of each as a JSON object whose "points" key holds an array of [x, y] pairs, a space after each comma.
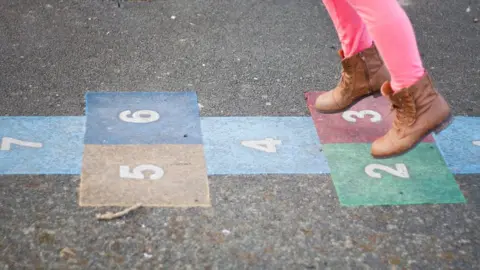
{"points": [[184, 182]]}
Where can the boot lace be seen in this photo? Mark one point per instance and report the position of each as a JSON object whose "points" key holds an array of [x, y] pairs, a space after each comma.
{"points": [[346, 78], [404, 106]]}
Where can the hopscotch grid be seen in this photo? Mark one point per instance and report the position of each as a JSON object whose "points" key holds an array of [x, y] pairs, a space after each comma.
{"points": [[204, 118]]}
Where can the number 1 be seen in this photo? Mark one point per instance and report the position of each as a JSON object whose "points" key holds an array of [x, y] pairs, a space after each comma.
{"points": [[7, 143]]}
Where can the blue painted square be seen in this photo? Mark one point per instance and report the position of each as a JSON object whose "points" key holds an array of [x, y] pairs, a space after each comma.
{"points": [[299, 151], [174, 118], [54, 145], [460, 145]]}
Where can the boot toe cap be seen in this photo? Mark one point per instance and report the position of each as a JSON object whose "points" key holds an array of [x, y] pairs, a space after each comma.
{"points": [[383, 147], [326, 102]]}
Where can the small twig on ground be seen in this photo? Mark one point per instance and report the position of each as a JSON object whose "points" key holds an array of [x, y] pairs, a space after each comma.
{"points": [[110, 215]]}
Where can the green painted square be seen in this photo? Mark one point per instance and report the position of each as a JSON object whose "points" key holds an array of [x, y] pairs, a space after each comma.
{"points": [[426, 178]]}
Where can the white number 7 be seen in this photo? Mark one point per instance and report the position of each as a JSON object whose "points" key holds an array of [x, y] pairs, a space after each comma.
{"points": [[7, 143]]}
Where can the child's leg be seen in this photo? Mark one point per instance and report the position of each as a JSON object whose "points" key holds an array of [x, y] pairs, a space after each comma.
{"points": [[394, 37], [419, 108], [363, 71], [351, 30]]}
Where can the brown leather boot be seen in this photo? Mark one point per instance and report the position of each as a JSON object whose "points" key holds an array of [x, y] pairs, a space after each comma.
{"points": [[362, 75], [419, 110]]}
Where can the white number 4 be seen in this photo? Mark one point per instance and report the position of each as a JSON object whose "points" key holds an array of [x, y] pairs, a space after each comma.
{"points": [[267, 145], [7, 143], [138, 172], [399, 171]]}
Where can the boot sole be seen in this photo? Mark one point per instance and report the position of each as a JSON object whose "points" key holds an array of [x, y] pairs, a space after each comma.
{"points": [[437, 129], [375, 94]]}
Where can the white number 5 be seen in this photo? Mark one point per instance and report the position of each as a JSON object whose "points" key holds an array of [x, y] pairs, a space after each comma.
{"points": [[137, 172], [399, 171], [151, 116], [348, 115]]}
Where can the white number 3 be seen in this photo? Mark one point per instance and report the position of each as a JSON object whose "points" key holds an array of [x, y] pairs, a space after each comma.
{"points": [[137, 172], [151, 116], [399, 171], [348, 115]]}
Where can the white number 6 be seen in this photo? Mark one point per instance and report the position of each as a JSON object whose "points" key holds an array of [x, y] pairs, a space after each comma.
{"points": [[137, 172], [348, 115], [399, 171], [151, 116]]}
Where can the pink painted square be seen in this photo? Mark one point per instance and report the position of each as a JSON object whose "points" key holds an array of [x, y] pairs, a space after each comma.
{"points": [[364, 122]]}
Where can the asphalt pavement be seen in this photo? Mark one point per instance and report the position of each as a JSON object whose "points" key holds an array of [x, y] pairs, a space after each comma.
{"points": [[233, 53]]}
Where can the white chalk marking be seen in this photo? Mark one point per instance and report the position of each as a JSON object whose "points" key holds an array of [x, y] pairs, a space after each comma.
{"points": [[7, 143], [137, 116], [268, 145], [348, 115], [399, 171], [138, 172]]}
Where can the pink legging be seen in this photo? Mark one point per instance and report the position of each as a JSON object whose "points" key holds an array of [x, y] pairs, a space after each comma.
{"points": [[357, 21]]}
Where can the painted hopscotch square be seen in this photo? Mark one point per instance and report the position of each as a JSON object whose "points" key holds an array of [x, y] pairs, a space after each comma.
{"points": [[41, 145], [418, 177], [364, 122], [142, 118], [460, 145], [262, 145], [153, 175]]}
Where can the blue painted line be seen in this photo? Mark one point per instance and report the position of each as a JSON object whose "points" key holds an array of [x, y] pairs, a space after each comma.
{"points": [[298, 151], [62, 140], [458, 147], [41, 145], [167, 118]]}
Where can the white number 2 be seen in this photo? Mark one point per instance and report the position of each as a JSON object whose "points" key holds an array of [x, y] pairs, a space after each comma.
{"points": [[136, 117], [7, 143], [138, 172], [267, 145], [399, 171], [348, 115]]}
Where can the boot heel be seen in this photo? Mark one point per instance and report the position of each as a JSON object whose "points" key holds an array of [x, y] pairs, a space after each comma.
{"points": [[377, 94], [445, 124]]}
